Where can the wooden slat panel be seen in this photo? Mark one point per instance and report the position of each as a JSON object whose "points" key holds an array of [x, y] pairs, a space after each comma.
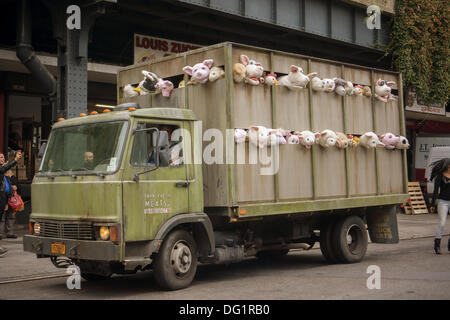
{"points": [[260, 56], [169, 68], [252, 105], [176, 99], [216, 54], [357, 76], [281, 63], [330, 172], [391, 173], [387, 117], [132, 76], [363, 180], [295, 173], [359, 116], [292, 109]]}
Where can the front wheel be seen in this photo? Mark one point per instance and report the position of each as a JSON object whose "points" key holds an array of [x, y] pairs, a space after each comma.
{"points": [[176, 263], [350, 239]]}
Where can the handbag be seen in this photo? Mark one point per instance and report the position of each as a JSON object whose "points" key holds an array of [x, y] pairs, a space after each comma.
{"points": [[15, 202]]}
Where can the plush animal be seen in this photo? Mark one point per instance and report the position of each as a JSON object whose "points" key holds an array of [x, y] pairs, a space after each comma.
{"points": [[182, 84], [339, 87], [165, 86], [307, 138], [327, 139], [390, 140], [348, 88], [258, 136], [216, 73], [253, 70], [342, 140], [403, 143], [383, 90], [270, 79], [295, 78], [370, 140], [239, 72], [240, 135], [353, 140], [317, 84], [357, 90], [292, 139], [367, 91], [148, 84], [200, 71], [329, 84], [129, 91]]}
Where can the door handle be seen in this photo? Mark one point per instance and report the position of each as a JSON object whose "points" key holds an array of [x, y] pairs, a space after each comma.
{"points": [[182, 184]]}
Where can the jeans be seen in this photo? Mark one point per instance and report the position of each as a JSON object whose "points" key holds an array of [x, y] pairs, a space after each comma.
{"points": [[443, 209]]}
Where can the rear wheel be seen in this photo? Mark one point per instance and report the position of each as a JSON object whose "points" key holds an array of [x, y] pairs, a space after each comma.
{"points": [[350, 239], [176, 262], [326, 241]]}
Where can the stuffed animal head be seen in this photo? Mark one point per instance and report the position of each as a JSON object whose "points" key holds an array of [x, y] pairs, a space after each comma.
{"points": [[296, 76], [329, 85], [240, 135], [270, 79], [200, 71], [149, 82], [370, 140], [390, 140], [328, 139], [317, 84], [367, 91], [342, 141], [403, 143], [130, 91], [307, 138], [253, 69], [216, 73], [292, 139], [383, 87], [258, 136], [165, 86], [348, 88], [339, 87], [357, 90], [239, 71]]}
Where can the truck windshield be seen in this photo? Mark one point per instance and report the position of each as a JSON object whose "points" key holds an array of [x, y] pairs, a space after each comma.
{"points": [[85, 149]]}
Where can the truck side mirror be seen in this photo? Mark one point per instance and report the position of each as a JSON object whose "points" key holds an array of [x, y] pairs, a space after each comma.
{"points": [[161, 145]]}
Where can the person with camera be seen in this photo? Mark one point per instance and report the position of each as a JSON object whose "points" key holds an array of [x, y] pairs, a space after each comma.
{"points": [[9, 215], [4, 167]]}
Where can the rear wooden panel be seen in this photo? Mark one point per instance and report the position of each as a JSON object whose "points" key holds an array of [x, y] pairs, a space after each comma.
{"points": [[387, 117], [391, 171], [330, 172], [216, 54], [363, 180], [252, 106], [169, 68], [292, 109], [358, 114], [282, 63]]}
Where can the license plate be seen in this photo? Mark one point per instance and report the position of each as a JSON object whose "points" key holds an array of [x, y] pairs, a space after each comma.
{"points": [[58, 248]]}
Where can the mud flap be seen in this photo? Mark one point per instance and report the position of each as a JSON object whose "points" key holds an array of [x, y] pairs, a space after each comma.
{"points": [[382, 224]]}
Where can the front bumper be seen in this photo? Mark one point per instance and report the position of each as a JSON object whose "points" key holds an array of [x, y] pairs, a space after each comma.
{"points": [[75, 249]]}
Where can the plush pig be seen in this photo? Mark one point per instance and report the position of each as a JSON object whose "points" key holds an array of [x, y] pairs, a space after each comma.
{"points": [[200, 71], [253, 70], [390, 140], [403, 143], [383, 90], [216, 73], [165, 86], [370, 140], [342, 140], [367, 92], [130, 91], [148, 84], [240, 135], [317, 84], [339, 87], [292, 139], [270, 79], [327, 139], [258, 136], [307, 138], [329, 85], [239, 72], [295, 78]]}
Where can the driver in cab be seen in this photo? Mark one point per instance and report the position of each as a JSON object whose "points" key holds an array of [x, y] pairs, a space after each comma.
{"points": [[175, 148]]}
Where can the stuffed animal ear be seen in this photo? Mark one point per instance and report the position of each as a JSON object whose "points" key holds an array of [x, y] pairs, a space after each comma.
{"points": [[208, 63], [254, 128], [382, 137], [317, 135], [244, 59], [294, 68], [378, 82], [188, 70], [169, 84]]}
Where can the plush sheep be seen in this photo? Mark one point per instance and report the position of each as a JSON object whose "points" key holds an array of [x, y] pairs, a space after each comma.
{"points": [[329, 85], [327, 139], [295, 78], [270, 79], [317, 84], [240, 135], [259, 136], [307, 138], [403, 143], [165, 86], [253, 70], [383, 90], [342, 140], [216, 73], [370, 140], [390, 140], [239, 72], [129, 91], [200, 71]]}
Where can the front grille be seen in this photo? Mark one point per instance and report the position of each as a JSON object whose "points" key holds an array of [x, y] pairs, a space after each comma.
{"points": [[78, 231]]}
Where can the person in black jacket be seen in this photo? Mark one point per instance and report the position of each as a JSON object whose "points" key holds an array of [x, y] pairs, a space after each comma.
{"points": [[4, 167], [9, 216], [440, 173]]}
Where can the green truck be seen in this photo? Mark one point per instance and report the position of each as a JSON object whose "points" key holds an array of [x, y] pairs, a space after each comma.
{"points": [[110, 198]]}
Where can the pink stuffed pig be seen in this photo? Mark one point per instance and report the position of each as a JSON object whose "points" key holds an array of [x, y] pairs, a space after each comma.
{"points": [[165, 86], [390, 140], [200, 71]]}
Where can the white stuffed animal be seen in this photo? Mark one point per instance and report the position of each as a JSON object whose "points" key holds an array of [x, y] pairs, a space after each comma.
{"points": [[383, 90], [357, 90], [240, 135], [329, 84], [258, 136], [253, 70], [216, 73], [307, 138], [295, 78], [270, 79], [403, 143], [339, 87], [317, 84], [327, 139], [292, 139], [370, 140], [129, 91], [200, 71]]}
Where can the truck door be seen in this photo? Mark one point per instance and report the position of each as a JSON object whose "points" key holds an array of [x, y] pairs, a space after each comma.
{"points": [[160, 193]]}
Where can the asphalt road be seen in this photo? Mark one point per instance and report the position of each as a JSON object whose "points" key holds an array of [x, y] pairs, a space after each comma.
{"points": [[409, 270]]}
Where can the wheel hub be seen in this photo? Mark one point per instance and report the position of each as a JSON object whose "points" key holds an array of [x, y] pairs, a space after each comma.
{"points": [[181, 258]]}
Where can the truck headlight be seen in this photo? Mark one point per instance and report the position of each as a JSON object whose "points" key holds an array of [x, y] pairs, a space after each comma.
{"points": [[104, 233], [37, 228]]}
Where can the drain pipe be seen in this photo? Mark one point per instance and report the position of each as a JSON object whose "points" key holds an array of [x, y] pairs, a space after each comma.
{"points": [[25, 52]]}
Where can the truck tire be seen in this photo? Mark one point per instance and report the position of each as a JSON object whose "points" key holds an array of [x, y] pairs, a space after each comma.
{"points": [[350, 239], [176, 263], [326, 242]]}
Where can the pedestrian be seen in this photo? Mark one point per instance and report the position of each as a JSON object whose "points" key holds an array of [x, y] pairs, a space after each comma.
{"points": [[4, 167], [9, 216], [440, 173]]}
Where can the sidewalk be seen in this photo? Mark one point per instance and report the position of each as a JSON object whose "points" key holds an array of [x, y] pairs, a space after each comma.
{"points": [[17, 264]]}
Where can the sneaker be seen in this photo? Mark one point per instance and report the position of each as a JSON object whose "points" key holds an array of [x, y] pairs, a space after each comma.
{"points": [[11, 236], [3, 251]]}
